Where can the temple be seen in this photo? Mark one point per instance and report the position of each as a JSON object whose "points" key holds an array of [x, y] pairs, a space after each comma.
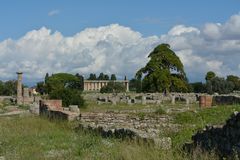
{"points": [[96, 85]]}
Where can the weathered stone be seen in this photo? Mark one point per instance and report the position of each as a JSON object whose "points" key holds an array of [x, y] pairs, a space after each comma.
{"points": [[163, 143], [74, 108], [223, 140], [144, 100], [173, 99]]}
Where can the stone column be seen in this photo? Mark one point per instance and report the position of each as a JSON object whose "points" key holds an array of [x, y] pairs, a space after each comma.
{"points": [[143, 100], [99, 86], [127, 86], [173, 99], [19, 88]]}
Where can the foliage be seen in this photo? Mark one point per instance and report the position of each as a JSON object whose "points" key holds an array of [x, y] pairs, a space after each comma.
{"points": [[63, 80], [68, 96], [92, 76], [235, 80], [160, 111], [135, 85], [198, 87], [163, 72], [33, 137], [63, 86], [141, 115], [103, 76], [219, 85], [8, 88], [210, 75], [81, 79], [41, 88], [113, 77], [113, 87]]}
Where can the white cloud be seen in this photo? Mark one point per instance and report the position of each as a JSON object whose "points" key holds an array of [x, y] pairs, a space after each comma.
{"points": [[121, 50], [109, 49], [53, 12]]}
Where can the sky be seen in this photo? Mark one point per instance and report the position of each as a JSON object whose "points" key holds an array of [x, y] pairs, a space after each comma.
{"points": [[85, 36]]}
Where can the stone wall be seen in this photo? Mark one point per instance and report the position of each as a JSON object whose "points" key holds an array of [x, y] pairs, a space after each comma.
{"points": [[53, 109], [225, 140], [226, 100], [130, 125], [142, 98]]}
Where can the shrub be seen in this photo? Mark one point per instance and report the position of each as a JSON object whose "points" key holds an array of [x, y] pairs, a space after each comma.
{"points": [[160, 111], [68, 96], [113, 87]]}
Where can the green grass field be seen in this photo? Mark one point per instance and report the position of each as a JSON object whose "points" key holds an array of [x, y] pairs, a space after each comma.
{"points": [[30, 138]]}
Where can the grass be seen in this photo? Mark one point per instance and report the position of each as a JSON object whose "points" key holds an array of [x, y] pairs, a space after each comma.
{"points": [[33, 138], [192, 121]]}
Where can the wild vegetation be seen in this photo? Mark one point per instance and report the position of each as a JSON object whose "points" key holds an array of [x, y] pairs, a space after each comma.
{"points": [[38, 138]]}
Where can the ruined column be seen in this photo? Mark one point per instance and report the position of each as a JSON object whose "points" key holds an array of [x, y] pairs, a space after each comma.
{"points": [[173, 99], [19, 88], [143, 100], [126, 83]]}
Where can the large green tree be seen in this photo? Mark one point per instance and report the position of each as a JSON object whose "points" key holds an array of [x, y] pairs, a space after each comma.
{"points": [[63, 86], [163, 72], [113, 77], [210, 75], [219, 85], [235, 80]]}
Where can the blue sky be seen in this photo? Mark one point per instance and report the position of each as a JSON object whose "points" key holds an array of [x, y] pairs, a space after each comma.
{"points": [[149, 17], [116, 36]]}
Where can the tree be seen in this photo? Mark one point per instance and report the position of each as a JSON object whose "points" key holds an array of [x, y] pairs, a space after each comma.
{"points": [[135, 85], [106, 77], [10, 88], [92, 77], [235, 80], [66, 87], [219, 85], [63, 80], [40, 88], [81, 83], [163, 72], [113, 77], [68, 96], [210, 75], [101, 76], [113, 87], [198, 87], [46, 77]]}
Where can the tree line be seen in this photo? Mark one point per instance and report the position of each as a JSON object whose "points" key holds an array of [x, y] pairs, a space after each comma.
{"points": [[164, 72]]}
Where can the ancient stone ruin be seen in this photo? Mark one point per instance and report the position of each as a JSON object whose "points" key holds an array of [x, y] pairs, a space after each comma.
{"points": [[24, 95], [53, 109], [143, 98], [122, 125], [224, 140]]}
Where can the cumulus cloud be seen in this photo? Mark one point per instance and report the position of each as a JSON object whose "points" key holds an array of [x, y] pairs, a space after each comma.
{"points": [[53, 12], [109, 49], [121, 50], [215, 47]]}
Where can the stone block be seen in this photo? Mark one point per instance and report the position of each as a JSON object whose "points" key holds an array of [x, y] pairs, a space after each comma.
{"points": [[74, 108], [144, 100]]}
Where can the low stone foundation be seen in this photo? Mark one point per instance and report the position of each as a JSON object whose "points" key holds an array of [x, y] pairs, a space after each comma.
{"points": [[53, 109], [224, 140], [226, 100], [120, 125]]}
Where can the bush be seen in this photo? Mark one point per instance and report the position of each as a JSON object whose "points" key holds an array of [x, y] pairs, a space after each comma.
{"points": [[160, 111], [113, 87], [68, 96]]}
